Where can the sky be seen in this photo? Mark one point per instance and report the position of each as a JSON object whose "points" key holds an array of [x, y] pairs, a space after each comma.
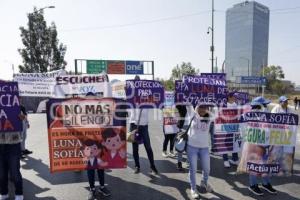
{"points": [[168, 32]]}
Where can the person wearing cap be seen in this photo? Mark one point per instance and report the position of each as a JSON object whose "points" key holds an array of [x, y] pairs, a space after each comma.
{"points": [[259, 104], [231, 103], [280, 150], [198, 147], [282, 107]]}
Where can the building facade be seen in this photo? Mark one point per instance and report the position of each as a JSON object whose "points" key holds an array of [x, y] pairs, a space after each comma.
{"points": [[247, 39]]}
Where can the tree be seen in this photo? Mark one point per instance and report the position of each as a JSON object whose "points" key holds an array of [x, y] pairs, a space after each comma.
{"points": [[274, 75], [168, 84], [184, 69], [42, 51]]}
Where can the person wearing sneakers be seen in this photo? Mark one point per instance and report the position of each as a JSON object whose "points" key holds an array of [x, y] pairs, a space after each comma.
{"points": [[231, 103], [170, 129], [138, 118], [10, 155], [134, 115], [259, 104], [198, 147]]}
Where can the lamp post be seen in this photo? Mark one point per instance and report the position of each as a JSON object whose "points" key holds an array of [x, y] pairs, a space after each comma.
{"points": [[248, 61], [211, 28], [30, 42]]}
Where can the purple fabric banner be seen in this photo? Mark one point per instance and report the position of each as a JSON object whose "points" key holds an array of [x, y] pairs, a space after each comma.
{"points": [[144, 94], [214, 75], [9, 107], [203, 90]]}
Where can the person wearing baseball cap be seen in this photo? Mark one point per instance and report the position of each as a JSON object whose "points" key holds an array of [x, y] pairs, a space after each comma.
{"points": [[260, 104], [282, 107]]}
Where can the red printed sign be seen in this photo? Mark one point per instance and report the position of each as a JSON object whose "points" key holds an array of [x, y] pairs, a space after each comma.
{"points": [[115, 67]]}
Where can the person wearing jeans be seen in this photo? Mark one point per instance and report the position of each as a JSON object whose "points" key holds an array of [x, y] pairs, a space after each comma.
{"points": [[143, 131], [198, 147]]}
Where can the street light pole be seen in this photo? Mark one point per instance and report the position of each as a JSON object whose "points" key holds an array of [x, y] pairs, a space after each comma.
{"points": [[212, 47]]}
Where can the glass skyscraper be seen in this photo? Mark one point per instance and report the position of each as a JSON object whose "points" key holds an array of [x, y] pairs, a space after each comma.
{"points": [[247, 38]]}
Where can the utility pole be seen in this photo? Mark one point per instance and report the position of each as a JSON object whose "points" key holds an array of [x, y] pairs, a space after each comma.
{"points": [[212, 47]]}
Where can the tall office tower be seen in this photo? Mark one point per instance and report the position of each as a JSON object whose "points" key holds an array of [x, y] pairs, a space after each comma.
{"points": [[247, 38]]}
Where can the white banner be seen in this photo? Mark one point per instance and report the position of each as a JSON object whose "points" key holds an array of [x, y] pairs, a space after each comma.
{"points": [[37, 84], [80, 85]]}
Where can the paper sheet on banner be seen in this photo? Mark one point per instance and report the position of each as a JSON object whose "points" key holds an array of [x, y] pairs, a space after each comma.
{"points": [[170, 114], [227, 135], [37, 84]]}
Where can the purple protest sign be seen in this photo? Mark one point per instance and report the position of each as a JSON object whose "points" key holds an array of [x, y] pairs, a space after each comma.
{"points": [[214, 75], [9, 107], [144, 94], [180, 89], [242, 98], [203, 90]]}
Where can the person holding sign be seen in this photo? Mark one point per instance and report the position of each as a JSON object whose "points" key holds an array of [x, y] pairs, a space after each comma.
{"points": [[231, 103], [198, 147], [259, 104], [10, 140], [279, 151]]}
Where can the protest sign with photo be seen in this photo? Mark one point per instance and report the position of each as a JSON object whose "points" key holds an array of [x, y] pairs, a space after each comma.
{"points": [[269, 143], [118, 90], [170, 114], [9, 107], [37, 84], [80, 85], [144, 93], [242, 98], [204, 90], [227, 136], [86, 133]]}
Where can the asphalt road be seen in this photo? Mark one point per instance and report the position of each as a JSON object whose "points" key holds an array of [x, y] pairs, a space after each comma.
{"points": [[170, 184]]}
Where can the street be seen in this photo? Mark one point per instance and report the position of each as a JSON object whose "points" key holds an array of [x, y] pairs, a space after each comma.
{"points": [[39, 183]]}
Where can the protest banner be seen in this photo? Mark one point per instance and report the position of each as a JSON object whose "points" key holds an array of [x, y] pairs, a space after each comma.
{"points": [[80, 85], [9, 107], [269, 143], [180, 89], [170, 114], [227, 136], [37, 84], [144, 93], [203, 90], [242, 98], [118, 90], [214, 75], [86, 133]]}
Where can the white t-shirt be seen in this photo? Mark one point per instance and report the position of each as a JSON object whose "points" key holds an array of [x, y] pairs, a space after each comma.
{"points": [[199, 132], [134, 116], [231, 105], [279, 109]]}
